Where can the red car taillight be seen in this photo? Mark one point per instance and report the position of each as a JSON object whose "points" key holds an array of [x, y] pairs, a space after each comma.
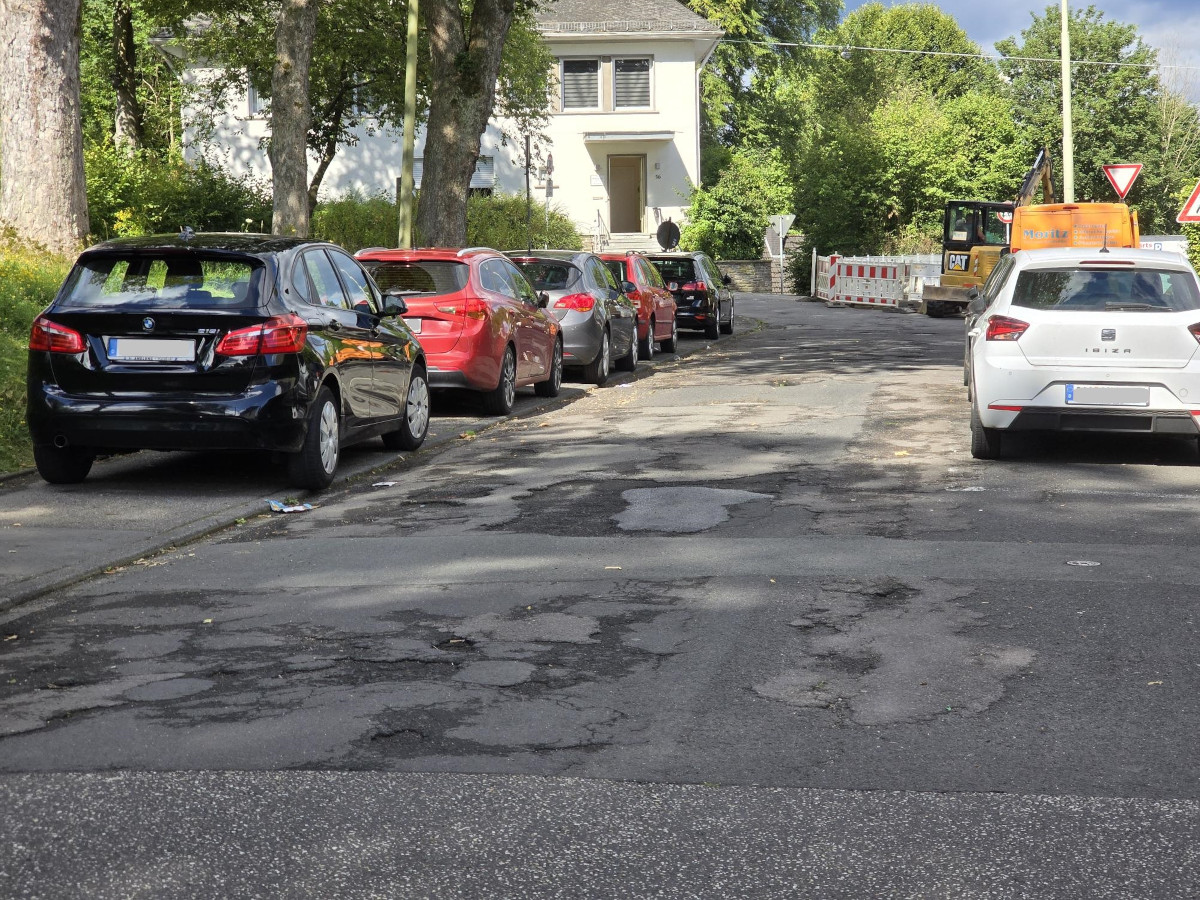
{"points": [[581, 302], [695, 286], [281, 334], [1002, 328], [1195, 330], [55, 338]]}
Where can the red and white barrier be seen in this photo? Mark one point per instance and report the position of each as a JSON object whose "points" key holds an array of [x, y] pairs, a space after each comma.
{"points": [[860, 282]]}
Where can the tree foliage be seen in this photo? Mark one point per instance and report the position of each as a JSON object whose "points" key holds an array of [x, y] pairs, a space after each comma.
{"points": [[728, 219]]}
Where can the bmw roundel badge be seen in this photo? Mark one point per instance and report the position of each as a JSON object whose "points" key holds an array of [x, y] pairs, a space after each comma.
{"points": [[147, 324]]}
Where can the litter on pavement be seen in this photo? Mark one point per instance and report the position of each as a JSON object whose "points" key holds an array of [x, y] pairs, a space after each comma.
{"points": [[280, 507]]}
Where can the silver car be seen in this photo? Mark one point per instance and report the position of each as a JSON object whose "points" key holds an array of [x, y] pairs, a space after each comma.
{"points": [[599, 322]]}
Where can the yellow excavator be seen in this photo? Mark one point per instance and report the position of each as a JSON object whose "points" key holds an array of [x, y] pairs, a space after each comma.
{"points": [[976, 234]]}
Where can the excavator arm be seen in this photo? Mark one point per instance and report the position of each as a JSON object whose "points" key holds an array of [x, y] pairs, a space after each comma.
{"points": [[1039, 173]]}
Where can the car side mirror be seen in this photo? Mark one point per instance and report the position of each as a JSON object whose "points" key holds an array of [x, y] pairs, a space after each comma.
{"points": [[394, 305], [628, 287], [975, 303], [726, 280], [543, 299]]}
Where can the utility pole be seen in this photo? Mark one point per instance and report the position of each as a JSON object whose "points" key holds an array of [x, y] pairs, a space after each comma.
{"points": [[528, 199], [1068, 133], [404, 196]]}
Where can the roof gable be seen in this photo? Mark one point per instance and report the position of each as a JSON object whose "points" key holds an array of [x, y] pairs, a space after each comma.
{"points": [[621, 17]]}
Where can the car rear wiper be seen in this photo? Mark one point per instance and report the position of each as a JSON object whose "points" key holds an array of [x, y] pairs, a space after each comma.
{"points": [[1137, 307]]}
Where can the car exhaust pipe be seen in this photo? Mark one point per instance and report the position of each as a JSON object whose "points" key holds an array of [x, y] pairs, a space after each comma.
{"points": [[60, 441]]}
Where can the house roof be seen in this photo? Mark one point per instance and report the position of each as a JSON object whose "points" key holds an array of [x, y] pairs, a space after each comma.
{"points": [[622, 17]]}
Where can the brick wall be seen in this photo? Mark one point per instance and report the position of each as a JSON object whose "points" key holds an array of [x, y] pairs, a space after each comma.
{"points": [[750, 275]]}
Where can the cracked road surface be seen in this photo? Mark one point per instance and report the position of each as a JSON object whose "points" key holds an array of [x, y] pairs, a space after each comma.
{"points": [[749, 582]]}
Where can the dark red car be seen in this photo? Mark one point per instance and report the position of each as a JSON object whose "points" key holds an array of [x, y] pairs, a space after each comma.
{"points": [[655, 304], [481, 325]]}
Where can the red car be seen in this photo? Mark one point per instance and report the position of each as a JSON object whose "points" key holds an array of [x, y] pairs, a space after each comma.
{"points": [[655, 304], [480, 323]]}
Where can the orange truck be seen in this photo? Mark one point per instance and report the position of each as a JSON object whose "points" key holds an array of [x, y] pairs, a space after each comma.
{"points": [[1074, 225]]}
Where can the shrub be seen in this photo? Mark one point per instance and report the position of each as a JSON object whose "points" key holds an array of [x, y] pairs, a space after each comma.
{"points": [[728, 220], [354, 221], [29, 278], [152, 193]]}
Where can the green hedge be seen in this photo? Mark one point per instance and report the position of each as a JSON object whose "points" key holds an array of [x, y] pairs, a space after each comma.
{"points": [[355, 221], [29, 279]]}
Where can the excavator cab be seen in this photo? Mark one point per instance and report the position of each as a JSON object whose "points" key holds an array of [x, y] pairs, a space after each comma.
{"points": [[968, 224]]}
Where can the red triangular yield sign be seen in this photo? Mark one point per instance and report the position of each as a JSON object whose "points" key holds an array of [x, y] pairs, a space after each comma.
{"points": [[1191, 209], [1122, 177]]}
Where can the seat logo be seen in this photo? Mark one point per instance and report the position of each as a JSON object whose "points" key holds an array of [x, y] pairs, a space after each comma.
{"points": [[147, 324], [1108, 334]]}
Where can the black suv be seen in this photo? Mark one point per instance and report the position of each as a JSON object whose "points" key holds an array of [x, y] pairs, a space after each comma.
{"points": [[221, 342], [703, 299]]}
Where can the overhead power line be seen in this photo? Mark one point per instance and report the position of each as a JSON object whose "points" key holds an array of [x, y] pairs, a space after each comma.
{"points": [[845, 48]]}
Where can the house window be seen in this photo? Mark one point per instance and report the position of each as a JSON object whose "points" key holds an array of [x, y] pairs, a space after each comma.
{"points": [[483, 179], [631, 83], [253, 102], [580, 83]]}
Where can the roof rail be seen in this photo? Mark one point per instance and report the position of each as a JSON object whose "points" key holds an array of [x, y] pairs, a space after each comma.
{"points": [[363, 250], [466, 250]]}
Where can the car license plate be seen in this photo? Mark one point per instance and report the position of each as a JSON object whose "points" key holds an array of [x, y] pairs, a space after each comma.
{"points": [[151, 350], [1108, 395], [414, 325]]}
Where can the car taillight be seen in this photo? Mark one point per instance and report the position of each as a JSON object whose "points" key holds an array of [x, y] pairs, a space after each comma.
{"points": [[475, 308], [695, 286], [1194, 329], [581, 302], [47, 335], [281, 334], [1002, 328]]}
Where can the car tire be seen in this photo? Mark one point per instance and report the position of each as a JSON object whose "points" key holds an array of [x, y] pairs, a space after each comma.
{"points": [[628, 363], [985, 442], [671, 344], [552, 385], [63, 465], [414, 425], [314, 465], [727, 327], [937, 309], [646, 350], [499, 401], [712, 329], [596, 371]]}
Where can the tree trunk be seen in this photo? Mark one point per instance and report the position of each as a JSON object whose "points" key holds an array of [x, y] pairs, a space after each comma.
{"points": [[42, 192], [127, 127], [462, 91], [290, 116]]}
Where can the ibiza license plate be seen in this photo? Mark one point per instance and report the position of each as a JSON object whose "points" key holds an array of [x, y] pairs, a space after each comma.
{"points": [[151, 350], [1108, 395]]}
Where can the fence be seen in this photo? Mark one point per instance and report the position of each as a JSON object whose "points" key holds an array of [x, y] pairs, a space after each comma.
{"points": [[878, 281]]}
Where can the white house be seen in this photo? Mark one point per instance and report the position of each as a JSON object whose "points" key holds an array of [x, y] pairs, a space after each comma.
{"points": [[624, 133]]}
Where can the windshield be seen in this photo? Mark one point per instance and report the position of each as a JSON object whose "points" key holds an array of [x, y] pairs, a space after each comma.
{"points": [[547, 275], [164, 281], [431, 276], [617, 267], [1135, 290]]}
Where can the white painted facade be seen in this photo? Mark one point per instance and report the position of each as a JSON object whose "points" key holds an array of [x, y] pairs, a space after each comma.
{"points": [[653, 150]]}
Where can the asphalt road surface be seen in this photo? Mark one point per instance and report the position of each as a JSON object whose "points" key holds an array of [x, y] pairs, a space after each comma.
{"points": [[753, 624]]}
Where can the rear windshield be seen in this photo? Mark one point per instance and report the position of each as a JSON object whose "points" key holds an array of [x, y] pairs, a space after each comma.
{"points": [[164, 282], [675, 269], [549, 275], [1134, 290], [431, 276]]}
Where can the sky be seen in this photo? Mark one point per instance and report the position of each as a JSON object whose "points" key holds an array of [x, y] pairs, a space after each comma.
{"points": [[1172, 26]]}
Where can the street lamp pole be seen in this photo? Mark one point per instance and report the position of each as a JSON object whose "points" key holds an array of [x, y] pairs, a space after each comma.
{"points": [[1068, 134]]}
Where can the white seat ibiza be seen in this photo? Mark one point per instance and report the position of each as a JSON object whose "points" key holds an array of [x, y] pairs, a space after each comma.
{"points": [[1080, 339]]}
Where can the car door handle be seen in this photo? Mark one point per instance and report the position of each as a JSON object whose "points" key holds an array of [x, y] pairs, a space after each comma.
{"points": [[974, 332]]}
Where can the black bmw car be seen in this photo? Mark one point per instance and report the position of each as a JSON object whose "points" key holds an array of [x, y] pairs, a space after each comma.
{"points": [[703, 299], [221, 342]]}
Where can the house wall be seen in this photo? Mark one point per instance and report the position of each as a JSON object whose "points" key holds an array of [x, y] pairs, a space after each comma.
{"points": [[580, 177]]}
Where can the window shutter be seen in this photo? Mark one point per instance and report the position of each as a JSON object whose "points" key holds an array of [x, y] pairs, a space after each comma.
{"points": [[632, 82], [580, 83]]}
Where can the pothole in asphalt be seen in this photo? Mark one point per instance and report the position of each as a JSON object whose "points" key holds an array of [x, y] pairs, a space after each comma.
{"points": [[681, 510]]}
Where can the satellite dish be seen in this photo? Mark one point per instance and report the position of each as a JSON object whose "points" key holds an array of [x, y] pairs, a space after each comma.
{"points": [[668, 235]]}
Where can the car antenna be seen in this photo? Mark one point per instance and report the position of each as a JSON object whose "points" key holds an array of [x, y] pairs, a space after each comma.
{"points": [[1105, 249]]}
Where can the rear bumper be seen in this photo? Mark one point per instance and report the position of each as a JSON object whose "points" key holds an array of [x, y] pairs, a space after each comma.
{"points": [[268, 416], [1140, 421], [695, 314]]}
